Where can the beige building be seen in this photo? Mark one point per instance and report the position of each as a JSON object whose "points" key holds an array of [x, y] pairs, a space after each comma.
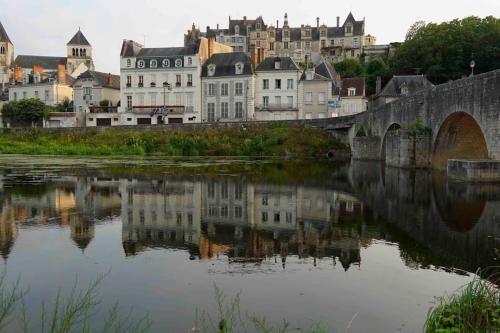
{"points": [[313, 41], [6, 59], [315, 90], [352, 97]]}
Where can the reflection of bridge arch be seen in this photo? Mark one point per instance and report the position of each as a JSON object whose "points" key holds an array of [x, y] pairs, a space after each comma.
{"points": [[392, 128], [459, 137]]}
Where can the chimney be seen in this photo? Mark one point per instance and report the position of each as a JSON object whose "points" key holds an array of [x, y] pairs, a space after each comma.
{"points": [[210, 47], [217, 26], [244, 20], [61, 74], [208, 28], [193, 32], [110, 79], [378, 87], [18, 73], [317, 22], [277, 24], [338, 21]]}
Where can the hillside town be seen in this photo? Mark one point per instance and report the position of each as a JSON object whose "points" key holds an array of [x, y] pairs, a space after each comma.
{"points": [[246, 71]]}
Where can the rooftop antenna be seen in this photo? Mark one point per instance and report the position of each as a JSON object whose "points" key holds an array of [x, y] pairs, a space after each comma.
{"points": [[144, 38]]}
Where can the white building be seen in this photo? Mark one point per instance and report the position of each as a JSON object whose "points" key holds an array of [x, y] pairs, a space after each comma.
{"points": [[352, 96], [89, 90], [228, 88], [277, 89], [163, 85]]}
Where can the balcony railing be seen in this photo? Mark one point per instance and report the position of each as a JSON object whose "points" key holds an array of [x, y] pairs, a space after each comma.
{"points": [[153, 85], [190, 84], [103, 109], [129, 85], [177, 84], [160, 109], [276, 107], [140, 85]]}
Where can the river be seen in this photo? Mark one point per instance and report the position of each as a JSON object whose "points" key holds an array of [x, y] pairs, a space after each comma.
{"points": [[357, 247]]}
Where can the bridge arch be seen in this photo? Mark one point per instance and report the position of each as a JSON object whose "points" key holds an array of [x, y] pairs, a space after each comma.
{"points": [[393, 127], [459, 137]]}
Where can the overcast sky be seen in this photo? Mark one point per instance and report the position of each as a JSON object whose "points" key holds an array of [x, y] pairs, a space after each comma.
{"points": [[44, 27]]}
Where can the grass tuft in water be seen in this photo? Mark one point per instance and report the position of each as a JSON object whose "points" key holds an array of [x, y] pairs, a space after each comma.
{"points": [[474, 308]]}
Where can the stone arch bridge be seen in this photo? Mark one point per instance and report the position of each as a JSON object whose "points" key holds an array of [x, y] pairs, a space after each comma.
{"points": [[457, 120]]}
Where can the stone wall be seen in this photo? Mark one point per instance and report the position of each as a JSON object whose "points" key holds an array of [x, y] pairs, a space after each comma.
{"points": [[407, 149], [366, 148], [474, 171]]}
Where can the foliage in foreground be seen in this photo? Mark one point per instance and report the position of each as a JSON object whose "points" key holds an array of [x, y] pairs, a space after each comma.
{"points": [[476, 308], [230, 320], [278, 140], [78, 312]]}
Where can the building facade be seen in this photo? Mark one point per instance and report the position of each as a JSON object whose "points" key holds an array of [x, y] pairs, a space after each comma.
{"points": [[277, 89], [163, 85], [315, 90], [228, 85], [89, 89], [352, 96], [6, 58]]}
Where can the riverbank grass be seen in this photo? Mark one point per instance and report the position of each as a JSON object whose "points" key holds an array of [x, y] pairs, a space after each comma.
{"points": [[277, 140], [475, 308]]}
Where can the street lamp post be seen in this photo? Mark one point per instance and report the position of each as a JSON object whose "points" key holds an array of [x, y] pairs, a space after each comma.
{"points": [[472, 65]]}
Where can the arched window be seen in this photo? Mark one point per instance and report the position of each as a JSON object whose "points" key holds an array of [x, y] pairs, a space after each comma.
{"points": [[166, 63], [153, 63], [141, 63], [190, 61], [76, 52], [2, 50], [81, 52]]}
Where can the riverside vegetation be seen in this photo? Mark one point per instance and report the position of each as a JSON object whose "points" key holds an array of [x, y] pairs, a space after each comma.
{"points": [[277, 140]]}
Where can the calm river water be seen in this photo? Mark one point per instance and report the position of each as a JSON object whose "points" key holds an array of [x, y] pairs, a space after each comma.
{"points": [[358, 247]]}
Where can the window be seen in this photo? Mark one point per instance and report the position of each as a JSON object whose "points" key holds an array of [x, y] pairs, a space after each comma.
{"points": [[351, 92], [129, 102], [179, 218], [289, 217], [141, 63], [153, 99], [212, 89], [238, 191], [287, 35], [224, 89], [87, 93], [224, 110], [239, 69], [166, 63], [258, 35], [277, 101], [212, 211], [211, 186], [129, 81], [265, 200], [265, 84], [289, 101], [264, 217], [36, 94], [277, 84], [332, 42], [178, 63], [238, 212], [46, 95], [190, 61], [190, 80], [211, 112], [142, 218], [289, 84], [224, 211], [153, 63], [323, 43], [257, 43], [285, 45], [277, 218], [211, 70], [323, 33], [238, 113], [258, 26], [141, 81], [309, 98], [239, 89], [129, 62], [321, 98], [348, 29], [308, 45], [190, 219], [308, 33], [297, 45], [178, 80], [271, 46], [237, 29], [265, 101], [224, 193]]}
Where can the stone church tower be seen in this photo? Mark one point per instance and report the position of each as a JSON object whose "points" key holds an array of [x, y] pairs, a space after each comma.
{"points": [[79, 52], [6, 57]]}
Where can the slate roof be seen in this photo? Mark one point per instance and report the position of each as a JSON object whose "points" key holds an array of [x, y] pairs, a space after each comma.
{"points": [[355, 82], [3, 35], [413, 82], [316, 77], [287, 64], [130, 48], [102, 78], [225, 64], [241, 24], [45, 77], [79, 39], [47, 63], [168, 51], [327, 70]]}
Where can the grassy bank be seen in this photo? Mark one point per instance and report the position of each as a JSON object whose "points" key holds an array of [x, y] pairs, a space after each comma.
{"points": [[278, 140], [475, 308]]}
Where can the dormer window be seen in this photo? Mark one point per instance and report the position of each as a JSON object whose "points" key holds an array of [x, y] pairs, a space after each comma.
{"points": [[190, 61], [211, 70], [239, 68], [404, 89], [348, 29], [237, 30], [129, 63], [153, 63], [141, 64], [277, 64], [258, 26], [351, 92], [178, 63], [166, 63]]}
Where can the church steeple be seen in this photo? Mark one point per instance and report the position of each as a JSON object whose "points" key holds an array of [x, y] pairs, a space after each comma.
{"points": [[6, 57], [3, 35], [79, 52]]}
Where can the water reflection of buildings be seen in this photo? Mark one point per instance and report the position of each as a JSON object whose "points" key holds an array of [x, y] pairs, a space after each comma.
{"points": [[66, 202], [247, 222]]}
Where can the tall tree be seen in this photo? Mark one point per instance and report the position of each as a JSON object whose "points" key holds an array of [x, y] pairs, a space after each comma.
{"points": [[444, 51], [349, 68]]}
